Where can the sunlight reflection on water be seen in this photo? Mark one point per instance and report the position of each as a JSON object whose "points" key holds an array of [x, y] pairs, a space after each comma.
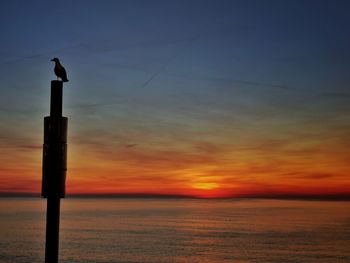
{"points": [[179, 230]]}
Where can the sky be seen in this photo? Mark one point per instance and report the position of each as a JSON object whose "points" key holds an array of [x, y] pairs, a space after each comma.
{"points": [[199, 98]]}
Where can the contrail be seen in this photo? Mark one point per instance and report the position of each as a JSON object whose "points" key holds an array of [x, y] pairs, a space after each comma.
{"points": [[237, 81], [99, 47], [115, 44], [170, 60]]}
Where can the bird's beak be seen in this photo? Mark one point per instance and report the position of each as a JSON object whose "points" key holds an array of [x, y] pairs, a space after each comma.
{"points": [[52, 60]]}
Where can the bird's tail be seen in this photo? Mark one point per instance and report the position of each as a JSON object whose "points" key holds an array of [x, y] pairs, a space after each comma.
{"points": [[65, 80]]}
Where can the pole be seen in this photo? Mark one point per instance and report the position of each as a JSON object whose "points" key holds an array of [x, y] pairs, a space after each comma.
{"points": [[54, 169], [52, 230]]}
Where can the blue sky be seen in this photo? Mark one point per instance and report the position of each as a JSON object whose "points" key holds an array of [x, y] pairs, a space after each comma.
{"points": [[173, 74]]}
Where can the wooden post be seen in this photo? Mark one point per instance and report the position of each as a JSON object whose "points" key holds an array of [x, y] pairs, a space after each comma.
{"points": [[54, 169], [52, 230]]}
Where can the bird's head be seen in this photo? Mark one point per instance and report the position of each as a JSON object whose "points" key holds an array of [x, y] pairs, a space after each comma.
{"points": [[55, 60]]}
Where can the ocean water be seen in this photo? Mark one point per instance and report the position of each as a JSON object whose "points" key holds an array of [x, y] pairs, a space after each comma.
{"points": [[179, 230]]}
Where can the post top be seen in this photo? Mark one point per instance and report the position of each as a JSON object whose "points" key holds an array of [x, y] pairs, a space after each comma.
{"points": [[56, 82], [56, 98]]}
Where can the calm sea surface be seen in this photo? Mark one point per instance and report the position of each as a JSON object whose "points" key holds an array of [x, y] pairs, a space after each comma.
{"points": [[179, 230]]}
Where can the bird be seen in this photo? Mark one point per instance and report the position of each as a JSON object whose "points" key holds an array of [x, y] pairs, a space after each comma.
{"points": [[60, 70]]}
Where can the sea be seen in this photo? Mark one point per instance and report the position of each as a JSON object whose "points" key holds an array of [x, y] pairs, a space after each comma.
{"points": [[152, 230]]}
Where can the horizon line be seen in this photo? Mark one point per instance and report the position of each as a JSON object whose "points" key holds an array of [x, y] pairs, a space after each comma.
{"points": [[330, 197]]}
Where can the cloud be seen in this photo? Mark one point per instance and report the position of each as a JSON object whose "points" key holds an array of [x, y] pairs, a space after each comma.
{"points": [[132, 145], [31, 147]]}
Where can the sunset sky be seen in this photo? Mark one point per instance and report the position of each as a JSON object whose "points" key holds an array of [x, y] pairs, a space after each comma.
{"points": [[201, 98]]}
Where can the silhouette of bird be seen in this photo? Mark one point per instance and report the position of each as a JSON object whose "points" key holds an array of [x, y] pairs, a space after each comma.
{"points": [[60, 70]]}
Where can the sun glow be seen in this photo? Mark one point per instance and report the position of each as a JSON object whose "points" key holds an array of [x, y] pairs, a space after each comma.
{"points": [[205, 186]]}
